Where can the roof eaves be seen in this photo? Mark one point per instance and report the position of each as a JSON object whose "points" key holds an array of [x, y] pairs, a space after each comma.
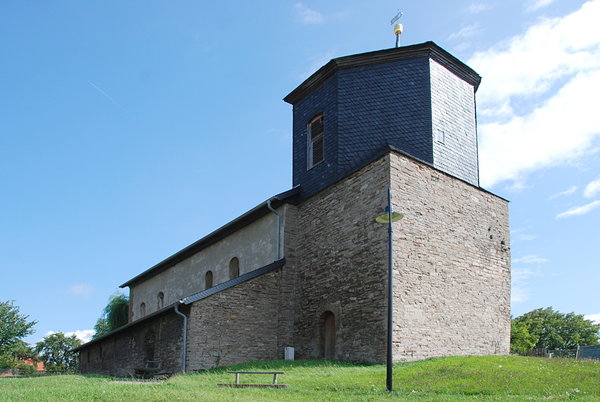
{"points": [[240, 279], [289, 196], [191, 299], [128, 325], [426, 49]]}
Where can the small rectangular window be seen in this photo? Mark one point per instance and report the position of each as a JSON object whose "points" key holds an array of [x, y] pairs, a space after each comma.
{"points": [[316, 146], [440, 137]]}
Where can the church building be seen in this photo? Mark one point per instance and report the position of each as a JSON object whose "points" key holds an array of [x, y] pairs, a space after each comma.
{"points": [[306, 270]]}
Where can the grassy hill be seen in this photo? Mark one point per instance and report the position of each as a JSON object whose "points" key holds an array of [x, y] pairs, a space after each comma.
{"points": [[450, 378]]}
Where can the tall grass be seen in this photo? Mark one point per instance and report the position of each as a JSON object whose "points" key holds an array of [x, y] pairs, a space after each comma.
{"points": [[451, 378]]}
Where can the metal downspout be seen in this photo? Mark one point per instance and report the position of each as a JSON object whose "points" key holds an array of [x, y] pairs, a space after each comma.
{"points": [[184, 346], [277, 231]]}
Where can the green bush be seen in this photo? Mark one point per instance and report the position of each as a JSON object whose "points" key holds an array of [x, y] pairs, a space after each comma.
{"points": [[26, 369], [7, 361]]}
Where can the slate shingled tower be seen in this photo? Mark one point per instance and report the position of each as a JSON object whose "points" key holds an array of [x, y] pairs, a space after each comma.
{"points": [[417, 99]]}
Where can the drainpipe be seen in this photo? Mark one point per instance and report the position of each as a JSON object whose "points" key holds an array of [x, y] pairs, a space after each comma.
{"points": [[277, 230], [184, 346]]}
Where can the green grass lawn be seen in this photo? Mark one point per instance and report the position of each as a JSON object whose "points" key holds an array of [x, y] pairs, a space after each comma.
{"points": [[450, 378]]}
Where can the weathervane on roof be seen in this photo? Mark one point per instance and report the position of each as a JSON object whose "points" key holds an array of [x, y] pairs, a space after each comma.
{"points": [[398, 28]]}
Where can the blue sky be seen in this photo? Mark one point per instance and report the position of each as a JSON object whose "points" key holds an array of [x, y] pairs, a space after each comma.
{"points": [[130, 129]]}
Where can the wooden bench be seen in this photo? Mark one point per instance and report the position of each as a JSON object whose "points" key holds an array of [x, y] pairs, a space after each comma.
{"points": [[150, 367], [238, 385]]}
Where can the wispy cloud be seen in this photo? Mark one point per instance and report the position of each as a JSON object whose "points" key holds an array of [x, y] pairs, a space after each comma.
{"points": [[84, 335], [569, 191], [106, 95], [521, 234], [476, 8], [531, 82], [81, 289], [592, 188], [581, 210], [593, 317], [530, 259], [317, 63], [465, 32], [307, 15], [533, 5], [522, 276], [520, 289]]}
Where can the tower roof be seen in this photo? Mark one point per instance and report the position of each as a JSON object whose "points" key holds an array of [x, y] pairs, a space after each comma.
{"points": [[426, 49]]}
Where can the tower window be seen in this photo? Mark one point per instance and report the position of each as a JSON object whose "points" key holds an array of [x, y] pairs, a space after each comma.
{"points": [[316, 150], [142, 309]]}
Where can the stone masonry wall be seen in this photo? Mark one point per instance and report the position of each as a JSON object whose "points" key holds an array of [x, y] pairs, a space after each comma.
{"points": [[120, 354], [238, 324], [340, 264], [452, 266]]}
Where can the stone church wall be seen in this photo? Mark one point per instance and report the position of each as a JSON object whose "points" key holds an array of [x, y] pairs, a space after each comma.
{"points": [[451, 259], [341, 257], [452, 265], [158, 338], [239, 324]]}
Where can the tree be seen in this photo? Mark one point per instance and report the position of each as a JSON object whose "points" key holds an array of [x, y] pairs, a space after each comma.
{"points": [[55, 351], [13, 325], [521, 340], [555, 330], [114, 315]]}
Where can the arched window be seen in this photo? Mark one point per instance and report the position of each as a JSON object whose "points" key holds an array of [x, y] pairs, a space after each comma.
{"points": [[327, 324], [142, 310], [208, 280], [160, 300], [234, 268]]}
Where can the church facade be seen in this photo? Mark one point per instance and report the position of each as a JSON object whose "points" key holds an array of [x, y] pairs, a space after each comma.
{"points": [[307, 268]]}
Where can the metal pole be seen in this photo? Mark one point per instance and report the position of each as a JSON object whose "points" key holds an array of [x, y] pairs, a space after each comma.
{"points": [[390, 295]]}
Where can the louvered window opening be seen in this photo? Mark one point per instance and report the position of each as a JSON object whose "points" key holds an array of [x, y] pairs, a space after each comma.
{"points": [[316, 137]]}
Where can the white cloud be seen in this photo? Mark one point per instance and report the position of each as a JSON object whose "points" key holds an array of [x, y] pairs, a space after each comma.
{"points": [[569, 191], [537, 4], [530, 259], [582, 210], [476, 8], [465, 32], [518, 294], [593, 317], [308, 15], [592, 188], [317, 63], [520, 234], [535, 103], [84, 335], [520, 283], [526, 237], [81, 289]]}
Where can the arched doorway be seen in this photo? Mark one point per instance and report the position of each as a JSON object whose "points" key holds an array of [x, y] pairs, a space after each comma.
{"points": [[327, 335]]}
